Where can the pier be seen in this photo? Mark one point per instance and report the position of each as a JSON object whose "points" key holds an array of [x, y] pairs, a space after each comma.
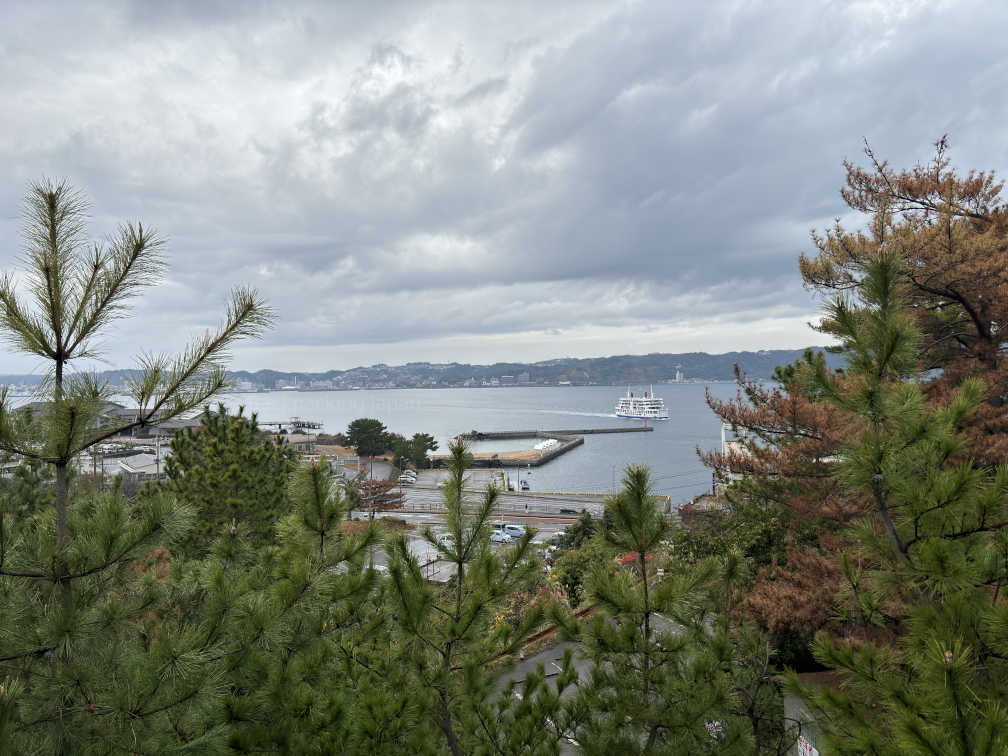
{"points": [[294, 425], [567, 439], [475, 435]]}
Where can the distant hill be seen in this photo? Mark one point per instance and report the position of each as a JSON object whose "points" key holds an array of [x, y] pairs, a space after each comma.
{"points": [[616, 370]]}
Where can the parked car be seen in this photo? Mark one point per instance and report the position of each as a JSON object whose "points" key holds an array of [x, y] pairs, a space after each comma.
{"points": [[407, 480], [499, 536], [515, 531]]}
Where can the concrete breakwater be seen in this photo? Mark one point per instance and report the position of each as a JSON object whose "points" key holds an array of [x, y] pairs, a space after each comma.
{"points": [[475, 435], [567, 439]]}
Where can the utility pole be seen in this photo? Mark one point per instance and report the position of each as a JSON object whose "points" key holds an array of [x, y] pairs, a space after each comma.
{"points": [[371, 520]]}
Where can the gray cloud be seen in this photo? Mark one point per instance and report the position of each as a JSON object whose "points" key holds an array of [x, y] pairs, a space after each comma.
{"points": [[454, 181]]}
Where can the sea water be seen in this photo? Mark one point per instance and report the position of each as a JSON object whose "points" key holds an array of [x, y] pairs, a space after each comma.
{"points": [[597, 466]]}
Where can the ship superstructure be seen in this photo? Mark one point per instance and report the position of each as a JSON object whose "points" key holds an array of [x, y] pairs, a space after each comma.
{"points": [[647, 407]]}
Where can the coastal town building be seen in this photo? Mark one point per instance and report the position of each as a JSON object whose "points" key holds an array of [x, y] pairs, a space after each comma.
{"points": [[141, 468], [300, 442]]}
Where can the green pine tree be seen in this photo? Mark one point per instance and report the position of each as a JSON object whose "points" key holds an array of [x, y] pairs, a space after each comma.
{"points": [[231, 473], [83, 665], [660, 677], [27, 488], [448, 638], [757, 700], [933, 536], [290, 615]]}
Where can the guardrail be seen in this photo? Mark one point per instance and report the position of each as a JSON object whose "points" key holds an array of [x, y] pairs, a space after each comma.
{"points": [[558, 493], [665, 498], [556, 509]]}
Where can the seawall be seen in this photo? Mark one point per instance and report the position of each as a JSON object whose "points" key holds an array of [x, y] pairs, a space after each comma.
{"points": [[475, 435], [567, 438]]}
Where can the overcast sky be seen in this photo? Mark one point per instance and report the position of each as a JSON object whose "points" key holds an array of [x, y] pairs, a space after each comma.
{"points": [[483, 182]]}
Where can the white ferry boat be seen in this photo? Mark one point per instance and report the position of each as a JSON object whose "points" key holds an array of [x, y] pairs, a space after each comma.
{"points": [[647, 407]]}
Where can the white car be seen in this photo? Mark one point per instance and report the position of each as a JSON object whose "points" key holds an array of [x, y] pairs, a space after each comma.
{"points": [[515, 531], [499, 536], [407, 480]]}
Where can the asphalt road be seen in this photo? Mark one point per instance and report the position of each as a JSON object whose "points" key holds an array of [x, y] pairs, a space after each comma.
{"points": [[421, 497]]}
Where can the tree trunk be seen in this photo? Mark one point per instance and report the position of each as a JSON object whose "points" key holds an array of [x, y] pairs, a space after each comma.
{"points": [[646, 661], [446, 725], [62, 496]]}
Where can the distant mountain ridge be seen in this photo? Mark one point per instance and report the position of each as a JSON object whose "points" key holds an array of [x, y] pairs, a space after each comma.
{"points": [[614, 370]]}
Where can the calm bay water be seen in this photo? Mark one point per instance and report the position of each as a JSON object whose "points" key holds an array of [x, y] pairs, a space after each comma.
{"points": [[670, 450]]}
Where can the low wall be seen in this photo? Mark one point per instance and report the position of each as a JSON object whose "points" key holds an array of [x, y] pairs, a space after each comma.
{"points": [[475, 435]]}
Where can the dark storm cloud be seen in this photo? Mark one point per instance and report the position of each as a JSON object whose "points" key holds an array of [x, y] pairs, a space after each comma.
{"points": [[569, 179]]}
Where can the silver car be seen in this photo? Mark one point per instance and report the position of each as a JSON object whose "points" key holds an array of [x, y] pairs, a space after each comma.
{"points": [[515, 531]]}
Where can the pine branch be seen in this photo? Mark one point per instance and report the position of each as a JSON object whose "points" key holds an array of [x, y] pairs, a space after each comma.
{"points": [[132, 263], [54, 219], [23, 331], [197, 374]]}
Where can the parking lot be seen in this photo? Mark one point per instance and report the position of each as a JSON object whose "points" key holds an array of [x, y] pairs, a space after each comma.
{"points": [[428, 556]]}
